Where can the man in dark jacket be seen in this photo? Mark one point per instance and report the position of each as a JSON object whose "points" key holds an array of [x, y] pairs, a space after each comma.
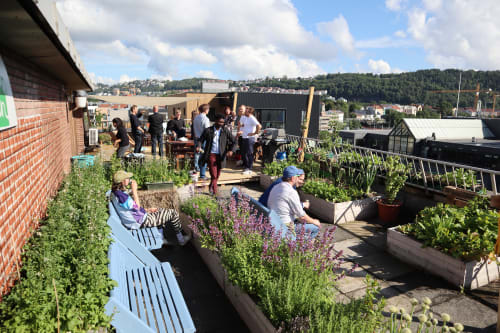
{"points": [[219, 143], [176, 125], [137, 130], [156, 130]]}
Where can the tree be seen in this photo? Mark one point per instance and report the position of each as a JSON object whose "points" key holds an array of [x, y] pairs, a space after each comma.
{"points": [[393, 117], [446, 109]]}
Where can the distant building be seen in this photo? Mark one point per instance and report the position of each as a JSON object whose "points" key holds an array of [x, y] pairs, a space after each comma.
{"points": [[375, 139], [213, 86], [116, 92], [326, 117]]}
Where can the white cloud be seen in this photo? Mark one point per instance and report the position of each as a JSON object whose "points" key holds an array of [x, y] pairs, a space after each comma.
{"points": [[384, 42], [457, 33], [161, 77], [381, 67], [126, 78], [260, 62], [172, 35], [338, 30], [206, 74], [400, 34], [394, 5], [99, 79]]}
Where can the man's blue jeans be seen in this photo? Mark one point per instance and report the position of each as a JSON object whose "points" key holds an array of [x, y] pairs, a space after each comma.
{"points": [[310, 229], [157, 138], [197, 156]]}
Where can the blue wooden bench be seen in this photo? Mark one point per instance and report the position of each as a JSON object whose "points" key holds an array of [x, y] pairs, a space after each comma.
{"points": [[151, 238], [147, 298], [274, 219]]}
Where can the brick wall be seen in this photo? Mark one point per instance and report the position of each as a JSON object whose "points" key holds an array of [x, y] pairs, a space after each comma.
{"points": [[34, 156]]}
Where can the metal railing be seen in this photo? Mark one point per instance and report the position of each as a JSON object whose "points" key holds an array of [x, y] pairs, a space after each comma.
{"points": [[424, 173]]}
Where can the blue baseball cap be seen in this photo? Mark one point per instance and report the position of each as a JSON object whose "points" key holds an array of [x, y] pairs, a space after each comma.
{"points": [[291, 171]]}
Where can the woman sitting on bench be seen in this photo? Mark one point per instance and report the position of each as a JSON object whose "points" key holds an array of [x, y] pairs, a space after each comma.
{"points": [[133, 216]]}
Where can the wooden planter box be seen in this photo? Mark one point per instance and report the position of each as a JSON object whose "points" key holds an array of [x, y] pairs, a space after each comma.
{"points": [[266, 181], [249, 312], [341, 212], [471, 275]]}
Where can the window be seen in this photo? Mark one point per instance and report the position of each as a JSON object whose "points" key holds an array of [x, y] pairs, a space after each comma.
{"points": [[271, 118]]}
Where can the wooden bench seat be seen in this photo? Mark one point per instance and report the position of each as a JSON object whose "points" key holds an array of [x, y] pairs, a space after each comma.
{"points": [[147, 298]]}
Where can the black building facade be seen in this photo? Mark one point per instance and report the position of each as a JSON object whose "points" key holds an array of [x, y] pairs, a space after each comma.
{"points": [[285, 111]]}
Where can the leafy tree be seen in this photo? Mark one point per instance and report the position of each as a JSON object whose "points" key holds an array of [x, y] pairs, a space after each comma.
{"points": [[393, 117]]}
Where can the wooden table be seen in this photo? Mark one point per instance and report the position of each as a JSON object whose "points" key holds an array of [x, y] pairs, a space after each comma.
{"points": [[179, 149]]}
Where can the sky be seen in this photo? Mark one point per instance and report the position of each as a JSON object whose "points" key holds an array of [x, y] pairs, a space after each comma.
{"points": [[126, 40]]}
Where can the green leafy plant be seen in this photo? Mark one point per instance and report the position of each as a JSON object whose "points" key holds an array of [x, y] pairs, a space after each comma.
{"points": [[158, 171], [396, 175], [64, 281], [330, 192], [467, 233], [105, 138], [276, 168]]}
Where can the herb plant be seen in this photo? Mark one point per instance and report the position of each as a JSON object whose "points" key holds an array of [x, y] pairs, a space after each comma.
{"points": [[291, 280], [330, 192]]}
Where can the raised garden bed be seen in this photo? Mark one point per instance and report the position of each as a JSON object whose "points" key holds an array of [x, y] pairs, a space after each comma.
{"points": [[249, 312], [471, 274], [341, 212]]}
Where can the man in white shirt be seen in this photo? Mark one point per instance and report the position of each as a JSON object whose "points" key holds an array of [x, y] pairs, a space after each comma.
{"points": [[249, 127], [285, 201], [200, 123]]}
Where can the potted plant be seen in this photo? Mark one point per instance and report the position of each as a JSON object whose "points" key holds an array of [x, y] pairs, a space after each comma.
{"points": [[396, 175]]}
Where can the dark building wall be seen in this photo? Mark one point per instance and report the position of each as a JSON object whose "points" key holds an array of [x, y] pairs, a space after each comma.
{"points": [[293, 104]]}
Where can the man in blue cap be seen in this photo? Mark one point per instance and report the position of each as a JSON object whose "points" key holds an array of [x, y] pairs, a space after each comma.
{"points": [[285, 201], [265, 196]]}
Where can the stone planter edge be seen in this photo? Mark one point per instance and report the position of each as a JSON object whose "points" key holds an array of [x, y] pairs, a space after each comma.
{"points": [[470, 275], [341, 212]]}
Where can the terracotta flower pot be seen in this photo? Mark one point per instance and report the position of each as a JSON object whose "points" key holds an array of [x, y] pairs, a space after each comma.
{"points": [[388, 212]]}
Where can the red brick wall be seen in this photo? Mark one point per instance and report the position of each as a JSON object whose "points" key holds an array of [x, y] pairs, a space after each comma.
{"points": [[34, 156]]}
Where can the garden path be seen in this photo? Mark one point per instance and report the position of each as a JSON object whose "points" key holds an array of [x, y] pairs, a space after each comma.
{"points": [[363, 243]]}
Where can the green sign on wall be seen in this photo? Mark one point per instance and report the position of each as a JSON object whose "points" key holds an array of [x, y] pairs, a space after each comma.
{"points": [[8, 117]]}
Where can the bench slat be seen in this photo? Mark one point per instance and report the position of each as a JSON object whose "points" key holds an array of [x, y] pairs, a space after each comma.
{"points": [[161, 313], [165, 286], [146, 304], [132, 293], [180, 304]]}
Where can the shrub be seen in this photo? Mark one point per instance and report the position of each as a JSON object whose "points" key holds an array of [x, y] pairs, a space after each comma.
{"points": [[64, 278]]}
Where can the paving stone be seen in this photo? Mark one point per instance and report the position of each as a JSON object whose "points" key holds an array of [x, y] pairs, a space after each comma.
{"points": [[341, 234], [472, 314], [384, 266], [355, 280], [355, 248], [362, 229], [379, 241]]}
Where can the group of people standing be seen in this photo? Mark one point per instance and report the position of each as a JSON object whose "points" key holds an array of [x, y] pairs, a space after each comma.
{"points": [[155, 128], [215, 143]]}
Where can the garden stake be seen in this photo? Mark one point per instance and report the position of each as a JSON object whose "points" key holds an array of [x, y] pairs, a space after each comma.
{"points": [[57, 306]]}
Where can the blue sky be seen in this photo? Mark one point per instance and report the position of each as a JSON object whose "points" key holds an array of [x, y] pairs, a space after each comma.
{"points": [[236, 39]]}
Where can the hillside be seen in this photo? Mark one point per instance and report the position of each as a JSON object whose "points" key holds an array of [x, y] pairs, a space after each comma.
{"points": [[404, 88]]}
